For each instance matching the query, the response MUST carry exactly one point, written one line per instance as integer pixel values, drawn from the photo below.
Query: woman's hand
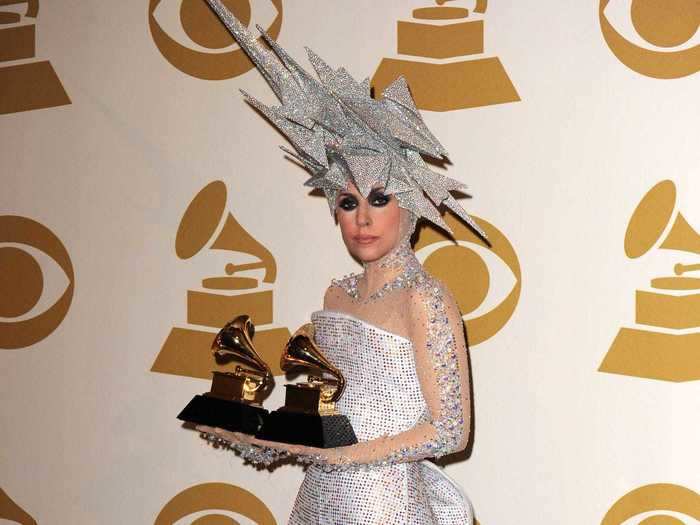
(233, 437)
(329, 455)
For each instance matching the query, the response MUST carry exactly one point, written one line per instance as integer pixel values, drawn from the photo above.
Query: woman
(393, 331)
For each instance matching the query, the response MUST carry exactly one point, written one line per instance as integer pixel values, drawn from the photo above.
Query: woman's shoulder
(340, 290)
(429, 292)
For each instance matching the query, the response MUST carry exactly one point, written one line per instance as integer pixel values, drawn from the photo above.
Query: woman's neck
(400, 260)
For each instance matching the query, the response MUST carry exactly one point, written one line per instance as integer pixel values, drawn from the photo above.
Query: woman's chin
(368, 254)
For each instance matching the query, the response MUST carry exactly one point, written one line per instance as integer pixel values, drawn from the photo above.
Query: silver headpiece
(341, 134)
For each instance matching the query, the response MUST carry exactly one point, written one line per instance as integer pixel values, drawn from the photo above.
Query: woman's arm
(436, 331)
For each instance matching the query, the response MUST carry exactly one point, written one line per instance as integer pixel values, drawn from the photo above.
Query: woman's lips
(365, 239)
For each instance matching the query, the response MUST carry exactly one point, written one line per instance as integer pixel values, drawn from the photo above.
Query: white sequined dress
(383, 397)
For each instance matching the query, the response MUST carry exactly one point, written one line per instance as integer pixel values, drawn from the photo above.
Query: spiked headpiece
(341, 134)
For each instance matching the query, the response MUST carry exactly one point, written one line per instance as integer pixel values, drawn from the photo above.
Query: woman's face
(370, 226)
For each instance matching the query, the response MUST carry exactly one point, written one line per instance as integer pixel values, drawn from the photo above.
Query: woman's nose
(363, 217)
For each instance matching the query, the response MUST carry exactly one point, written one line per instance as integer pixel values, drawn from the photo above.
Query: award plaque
(309, 416)
(235, 400)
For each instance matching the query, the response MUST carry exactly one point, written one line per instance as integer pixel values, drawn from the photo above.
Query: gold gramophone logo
(192, 38)
(656, 38)
(10, 511)
(25, 83)
(485, 282)
(442, 57)
(35, 272)
(656, 504)
(665, 344)
(245, 289)
(214, 504)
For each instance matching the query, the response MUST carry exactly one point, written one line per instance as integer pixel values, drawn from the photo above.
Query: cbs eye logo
(486, 282)
(193, 39)
(657, 504)
(215, 504)
(27, 286)
(656, 38)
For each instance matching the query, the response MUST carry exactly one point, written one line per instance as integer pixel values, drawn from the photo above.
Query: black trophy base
(311, 430)
(222, 413)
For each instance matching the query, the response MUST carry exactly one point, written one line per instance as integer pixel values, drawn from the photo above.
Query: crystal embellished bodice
(382, 394)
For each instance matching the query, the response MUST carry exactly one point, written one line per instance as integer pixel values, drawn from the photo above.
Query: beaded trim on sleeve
(254, 454)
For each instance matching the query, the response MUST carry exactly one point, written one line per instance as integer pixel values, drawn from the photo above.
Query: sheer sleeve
(436, 332)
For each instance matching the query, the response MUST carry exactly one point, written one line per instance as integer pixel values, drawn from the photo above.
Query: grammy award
(235, 400)
(665, 340)
(309, 416)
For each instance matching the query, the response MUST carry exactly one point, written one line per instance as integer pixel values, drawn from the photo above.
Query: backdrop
(136, 182)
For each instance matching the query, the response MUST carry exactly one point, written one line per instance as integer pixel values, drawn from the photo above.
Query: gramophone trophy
(664, 342)
(309, 416)
(235, 400)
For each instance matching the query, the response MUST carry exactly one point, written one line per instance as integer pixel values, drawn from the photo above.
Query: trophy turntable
(309, 416)
(235, 400)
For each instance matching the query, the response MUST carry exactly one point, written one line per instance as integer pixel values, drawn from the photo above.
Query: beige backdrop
(135, 179)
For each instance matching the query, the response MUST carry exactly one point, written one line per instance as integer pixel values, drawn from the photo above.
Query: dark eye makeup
(347, 203)
(376, 199)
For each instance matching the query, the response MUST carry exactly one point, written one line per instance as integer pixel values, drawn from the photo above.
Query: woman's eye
(347, 203)
(379, 199)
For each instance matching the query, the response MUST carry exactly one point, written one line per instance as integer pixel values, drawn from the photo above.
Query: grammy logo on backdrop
(665, 344)
(206, 223)
(25, 83)
(438, 44)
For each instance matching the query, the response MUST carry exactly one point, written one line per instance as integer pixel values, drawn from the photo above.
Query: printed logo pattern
(207, 224)
(657, 504)
(670, 26)
(9, 510)
(665, 343)
(22, 281)
(431, 42)
(207, 502)
(211, 61)
(28, 84)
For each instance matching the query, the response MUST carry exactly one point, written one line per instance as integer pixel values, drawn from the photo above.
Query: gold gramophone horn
(235, 340)
(301, 351)
(650, 219)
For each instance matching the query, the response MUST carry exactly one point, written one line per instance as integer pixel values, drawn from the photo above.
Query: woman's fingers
(238, 437)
